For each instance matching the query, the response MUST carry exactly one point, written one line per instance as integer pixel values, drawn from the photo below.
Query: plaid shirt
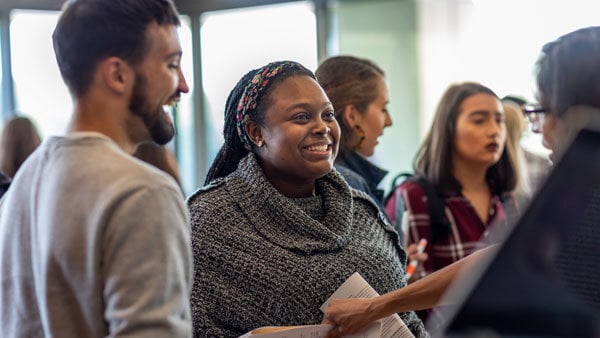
(466, 228)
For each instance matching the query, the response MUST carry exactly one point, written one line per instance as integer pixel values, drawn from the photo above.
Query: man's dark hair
(89, 31)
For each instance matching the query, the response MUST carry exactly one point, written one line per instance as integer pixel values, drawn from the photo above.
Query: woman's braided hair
(248, 100)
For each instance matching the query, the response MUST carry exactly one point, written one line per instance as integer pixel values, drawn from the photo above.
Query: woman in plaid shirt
(463, 162)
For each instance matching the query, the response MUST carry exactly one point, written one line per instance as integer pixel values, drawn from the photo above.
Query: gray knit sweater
(262, 259)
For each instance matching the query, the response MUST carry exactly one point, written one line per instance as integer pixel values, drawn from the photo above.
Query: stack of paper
(354, 287)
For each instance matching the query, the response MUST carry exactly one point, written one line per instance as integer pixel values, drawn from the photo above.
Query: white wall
(495, 42)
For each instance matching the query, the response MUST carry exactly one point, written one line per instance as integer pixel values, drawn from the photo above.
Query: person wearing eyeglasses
(535, 116)
(534, 165)
(566, 106)
(572, 102)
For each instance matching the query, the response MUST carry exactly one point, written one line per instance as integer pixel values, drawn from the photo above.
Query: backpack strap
(440, 225)
(436, 208)
(394, 205)
(396, 181)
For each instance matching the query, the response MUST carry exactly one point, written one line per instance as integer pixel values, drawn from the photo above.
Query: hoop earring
(361, 135)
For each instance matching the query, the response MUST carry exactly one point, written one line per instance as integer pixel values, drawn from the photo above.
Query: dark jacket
(362, 175)
(4, 183)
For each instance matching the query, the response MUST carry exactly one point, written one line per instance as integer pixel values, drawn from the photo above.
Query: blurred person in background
(536, 166)
(516, 125)
(159, 156)
(464, 162)
(19, 139)
(359, 94)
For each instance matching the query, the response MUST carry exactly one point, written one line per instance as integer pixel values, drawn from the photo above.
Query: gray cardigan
(262, 259)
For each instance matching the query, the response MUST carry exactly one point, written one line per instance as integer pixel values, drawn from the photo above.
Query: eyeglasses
(535, 115)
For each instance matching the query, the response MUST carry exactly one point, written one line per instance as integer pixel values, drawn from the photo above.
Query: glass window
(385, 32)
(1, 81)
(39, 90)
(184, 116)
(496, 43)
(236, 41)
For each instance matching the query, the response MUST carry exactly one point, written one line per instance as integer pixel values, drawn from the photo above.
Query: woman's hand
(413, 254)
(349, 316)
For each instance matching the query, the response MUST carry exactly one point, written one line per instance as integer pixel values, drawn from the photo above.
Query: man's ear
(117, 74)
(351, 116)
(254, 132)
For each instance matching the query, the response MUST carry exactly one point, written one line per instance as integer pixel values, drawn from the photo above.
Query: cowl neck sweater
(287, 224)
(263, 259)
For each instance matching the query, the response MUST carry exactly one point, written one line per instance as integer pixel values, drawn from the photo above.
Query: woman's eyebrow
(307, 106)
(479, 113)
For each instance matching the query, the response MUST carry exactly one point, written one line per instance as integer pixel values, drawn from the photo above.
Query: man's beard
(159, 127)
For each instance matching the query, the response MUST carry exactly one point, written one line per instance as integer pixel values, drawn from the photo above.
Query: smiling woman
(299, 144)
(276, 231)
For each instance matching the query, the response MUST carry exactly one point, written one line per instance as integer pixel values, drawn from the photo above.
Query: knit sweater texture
(262, 259)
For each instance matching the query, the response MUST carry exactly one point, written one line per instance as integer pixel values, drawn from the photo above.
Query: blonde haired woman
(515, 127)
